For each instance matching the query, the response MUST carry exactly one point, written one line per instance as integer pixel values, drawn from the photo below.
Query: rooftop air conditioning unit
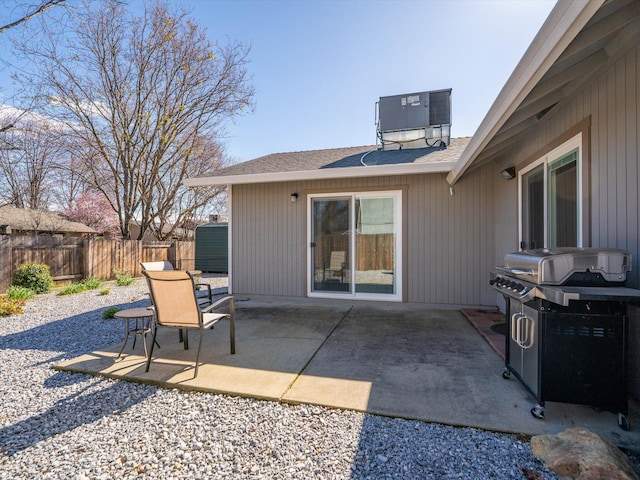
(415, 120)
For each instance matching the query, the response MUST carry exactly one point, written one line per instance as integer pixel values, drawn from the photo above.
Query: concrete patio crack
(301, 372)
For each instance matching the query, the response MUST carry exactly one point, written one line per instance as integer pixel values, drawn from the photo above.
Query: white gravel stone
(60, 425)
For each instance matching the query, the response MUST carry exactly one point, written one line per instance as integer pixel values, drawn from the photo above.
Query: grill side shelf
(562, 295)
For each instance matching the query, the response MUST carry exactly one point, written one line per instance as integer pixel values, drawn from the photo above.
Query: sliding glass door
(330, 244)
(354, 248)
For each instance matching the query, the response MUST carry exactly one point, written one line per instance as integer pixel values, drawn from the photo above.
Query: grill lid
(556, 266)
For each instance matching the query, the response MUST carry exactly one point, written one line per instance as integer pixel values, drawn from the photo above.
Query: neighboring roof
(365, 161)
(24, 219)
(576, 43)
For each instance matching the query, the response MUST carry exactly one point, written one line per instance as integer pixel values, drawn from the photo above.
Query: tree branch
(44, 6)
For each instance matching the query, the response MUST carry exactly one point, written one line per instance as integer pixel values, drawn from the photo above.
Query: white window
(550, 199)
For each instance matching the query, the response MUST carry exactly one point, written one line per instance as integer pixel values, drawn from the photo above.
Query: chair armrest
(218, 303)
(232, 318)
(207, 287)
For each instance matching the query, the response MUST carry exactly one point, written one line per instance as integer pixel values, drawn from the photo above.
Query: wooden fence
(374, 252)
(74, 258)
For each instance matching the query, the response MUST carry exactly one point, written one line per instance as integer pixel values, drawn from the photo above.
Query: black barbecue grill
(566, 321)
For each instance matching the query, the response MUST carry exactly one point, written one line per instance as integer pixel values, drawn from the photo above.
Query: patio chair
(203, 290)
(176, 306)
(336, 266)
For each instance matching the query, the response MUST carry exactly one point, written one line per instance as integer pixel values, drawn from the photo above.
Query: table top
(134, 313)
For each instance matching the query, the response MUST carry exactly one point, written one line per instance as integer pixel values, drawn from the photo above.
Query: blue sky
(319, 66)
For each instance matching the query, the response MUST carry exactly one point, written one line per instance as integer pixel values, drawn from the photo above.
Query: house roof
(577, 42)
(364, 161)
(24, 219)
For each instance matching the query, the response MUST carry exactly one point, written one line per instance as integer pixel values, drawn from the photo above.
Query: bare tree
(31, 12)
(175, 206)
(27, 159)
(141, 98)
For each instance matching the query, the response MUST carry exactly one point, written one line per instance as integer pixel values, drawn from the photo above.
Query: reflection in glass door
(330, 244)
(375, 245)
(550, 199)
(533, 209)
(353, 248)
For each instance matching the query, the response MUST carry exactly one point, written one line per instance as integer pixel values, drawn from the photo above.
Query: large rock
(580, 454)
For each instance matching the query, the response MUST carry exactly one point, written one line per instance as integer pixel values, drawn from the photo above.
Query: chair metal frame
(190, 315)
(203, 290)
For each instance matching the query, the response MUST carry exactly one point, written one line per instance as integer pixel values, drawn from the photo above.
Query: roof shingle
(344, 157)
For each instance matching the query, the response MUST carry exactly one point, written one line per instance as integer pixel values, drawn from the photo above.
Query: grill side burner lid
(564, 266)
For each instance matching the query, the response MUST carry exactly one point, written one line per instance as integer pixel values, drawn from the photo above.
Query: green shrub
(105, 291)
(24, 293)
(91, 283)
(110, 312)
(35, 276)
(11, 306)
(73, 288)
(123, 279)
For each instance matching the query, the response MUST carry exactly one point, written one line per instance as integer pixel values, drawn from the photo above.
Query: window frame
(575, 143)
(398, 196)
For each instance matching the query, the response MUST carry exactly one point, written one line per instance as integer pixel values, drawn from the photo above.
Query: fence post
(6, 262)
(87, 245)
(172, 255)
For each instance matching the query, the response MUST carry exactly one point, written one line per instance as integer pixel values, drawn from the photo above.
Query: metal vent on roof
(414, 120)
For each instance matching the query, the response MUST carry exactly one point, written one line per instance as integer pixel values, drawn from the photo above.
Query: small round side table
(138, 321)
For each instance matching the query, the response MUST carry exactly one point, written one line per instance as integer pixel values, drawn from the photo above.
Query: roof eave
(327, 173)
(565, 21)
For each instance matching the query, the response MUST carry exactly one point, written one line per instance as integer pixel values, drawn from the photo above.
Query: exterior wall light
(294, 197)
(508, 173)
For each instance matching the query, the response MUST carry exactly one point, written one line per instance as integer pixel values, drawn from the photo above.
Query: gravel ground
(73, 426)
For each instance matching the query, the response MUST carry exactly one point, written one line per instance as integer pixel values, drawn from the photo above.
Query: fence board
(74, 258)
(6, 269)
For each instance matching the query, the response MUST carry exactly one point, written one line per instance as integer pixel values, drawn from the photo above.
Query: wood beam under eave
(607, 8)
(534, 108)
(549, 84)
(495, 153)
(496, 150)
(600, 32)
(505, 133)
(628, 36)
(618, 47)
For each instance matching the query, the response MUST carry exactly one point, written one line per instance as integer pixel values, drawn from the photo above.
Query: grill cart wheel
(506, 374)
(538, 411)
(623, 422)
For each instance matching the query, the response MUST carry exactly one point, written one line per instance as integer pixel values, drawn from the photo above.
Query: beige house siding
(611, 105)
(448, 247)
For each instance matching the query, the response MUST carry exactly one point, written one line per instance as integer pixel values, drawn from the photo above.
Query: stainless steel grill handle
(522, 330)
(517, 271)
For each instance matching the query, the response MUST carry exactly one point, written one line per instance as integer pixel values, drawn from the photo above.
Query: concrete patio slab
(391, 359)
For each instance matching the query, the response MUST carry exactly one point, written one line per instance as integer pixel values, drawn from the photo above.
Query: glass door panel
(533, 209)
(563, 201)
(375, 245)
(331, 244)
